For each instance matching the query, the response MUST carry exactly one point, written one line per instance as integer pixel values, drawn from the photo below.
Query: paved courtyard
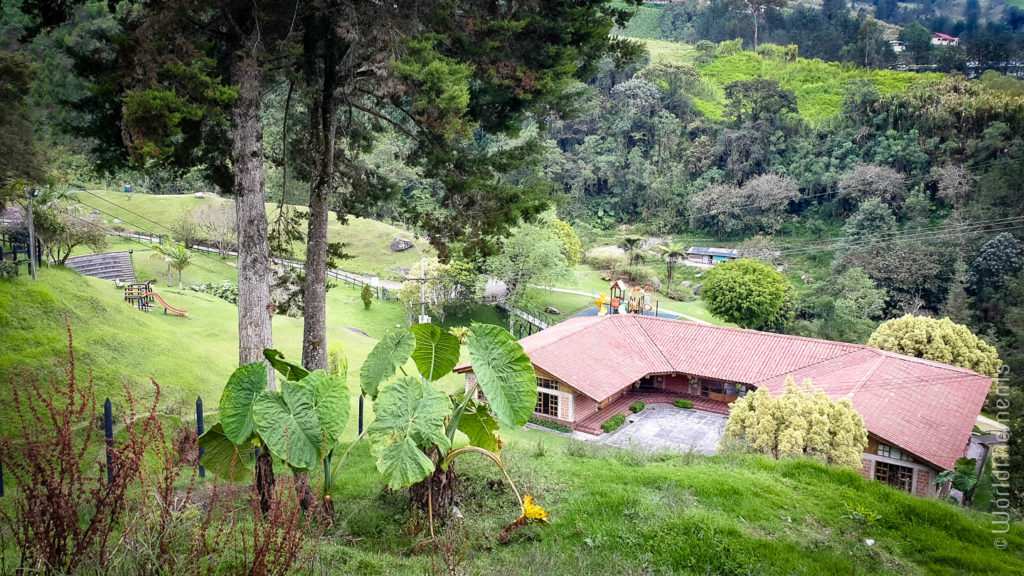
(665, 427)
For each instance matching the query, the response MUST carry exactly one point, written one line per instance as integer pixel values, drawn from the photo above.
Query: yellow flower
(533, 511)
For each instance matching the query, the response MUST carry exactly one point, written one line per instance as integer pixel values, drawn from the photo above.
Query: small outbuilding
(710, 256)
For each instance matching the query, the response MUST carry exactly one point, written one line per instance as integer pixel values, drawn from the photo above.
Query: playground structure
(625, 299)
(142, 297)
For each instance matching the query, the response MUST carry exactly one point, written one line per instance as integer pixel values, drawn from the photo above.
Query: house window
(547, 404)
(547, 383)
(895, 453)
(894, 475)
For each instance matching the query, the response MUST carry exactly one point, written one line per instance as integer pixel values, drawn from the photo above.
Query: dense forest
(879, 184)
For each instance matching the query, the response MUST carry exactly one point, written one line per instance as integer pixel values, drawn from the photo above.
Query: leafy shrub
(460, 332)
(605, 258)
(639, 274)
(679, 295)
(367, 296)
(225, 290)
(636, 406)
(8, 269)
(614, 422)
(682, 403)
(730, 47)
(550, 424)
(861, 514)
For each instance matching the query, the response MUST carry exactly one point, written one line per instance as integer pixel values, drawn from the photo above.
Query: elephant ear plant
(299, 425)
(413, 434)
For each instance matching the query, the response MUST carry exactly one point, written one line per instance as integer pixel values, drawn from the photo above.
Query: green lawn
(667, 52)
(819, 86)
(366, 240)
(612, 511)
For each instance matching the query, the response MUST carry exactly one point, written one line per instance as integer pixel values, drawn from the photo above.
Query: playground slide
(167, 307)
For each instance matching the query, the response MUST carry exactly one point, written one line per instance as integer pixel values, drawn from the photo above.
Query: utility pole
(31, 194)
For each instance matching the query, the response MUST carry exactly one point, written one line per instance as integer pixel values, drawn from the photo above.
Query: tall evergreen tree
(442, 76)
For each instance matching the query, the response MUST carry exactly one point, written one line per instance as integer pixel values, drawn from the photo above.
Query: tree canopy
(800, 422)
(940, 340)
(745, 292)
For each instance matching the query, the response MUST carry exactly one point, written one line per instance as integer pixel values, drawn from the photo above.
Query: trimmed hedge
(614, 422)
(636, 406)
(550, 425)
(682, 403)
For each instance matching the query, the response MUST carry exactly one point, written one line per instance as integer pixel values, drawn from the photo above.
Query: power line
(150, 232)
(896, 233)
(948, 232)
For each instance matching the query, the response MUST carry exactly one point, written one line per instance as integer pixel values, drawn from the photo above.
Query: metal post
(108, 433)
(31, 232)
(199, 432)
(360, 414)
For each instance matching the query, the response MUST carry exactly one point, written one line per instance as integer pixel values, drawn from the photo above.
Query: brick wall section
(867, 468)
(924, 483)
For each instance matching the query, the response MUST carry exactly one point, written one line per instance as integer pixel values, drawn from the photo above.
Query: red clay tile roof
(926, 408)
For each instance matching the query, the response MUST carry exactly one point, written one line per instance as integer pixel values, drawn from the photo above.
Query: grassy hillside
(187, 356)
(612, 511)
(366, 240)
(819, 86)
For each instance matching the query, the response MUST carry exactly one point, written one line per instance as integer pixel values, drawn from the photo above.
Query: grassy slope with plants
(612, 511)
(819, 86)
(187, 356)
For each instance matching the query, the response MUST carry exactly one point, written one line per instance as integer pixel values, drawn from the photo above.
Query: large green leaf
(479, 426)
(290, 371)
(238, 398)
(504, 372)
(391, 352)
(410, 419)
(331, 402)
(436, 352)
(288, 424)
(224, 458)
(402, 463)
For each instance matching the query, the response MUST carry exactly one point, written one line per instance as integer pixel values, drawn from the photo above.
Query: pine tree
(958, 304)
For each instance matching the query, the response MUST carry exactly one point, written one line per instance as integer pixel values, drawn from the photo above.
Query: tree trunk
(255, 311)
(323, 126)
(314, 327)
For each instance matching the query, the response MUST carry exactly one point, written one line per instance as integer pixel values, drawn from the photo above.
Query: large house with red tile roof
(919, 414)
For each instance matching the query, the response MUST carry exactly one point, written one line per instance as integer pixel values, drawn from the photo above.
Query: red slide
(167, 307)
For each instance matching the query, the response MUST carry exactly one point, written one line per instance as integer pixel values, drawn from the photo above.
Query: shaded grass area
(365, 240)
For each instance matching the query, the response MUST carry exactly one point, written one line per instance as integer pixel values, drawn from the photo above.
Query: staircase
(108, 266)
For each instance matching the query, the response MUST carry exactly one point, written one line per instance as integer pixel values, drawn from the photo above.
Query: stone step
(108, 266)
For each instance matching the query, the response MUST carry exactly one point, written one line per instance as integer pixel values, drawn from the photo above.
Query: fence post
(199, 432)
(1, 471)
(360, 414)
(108, 434)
